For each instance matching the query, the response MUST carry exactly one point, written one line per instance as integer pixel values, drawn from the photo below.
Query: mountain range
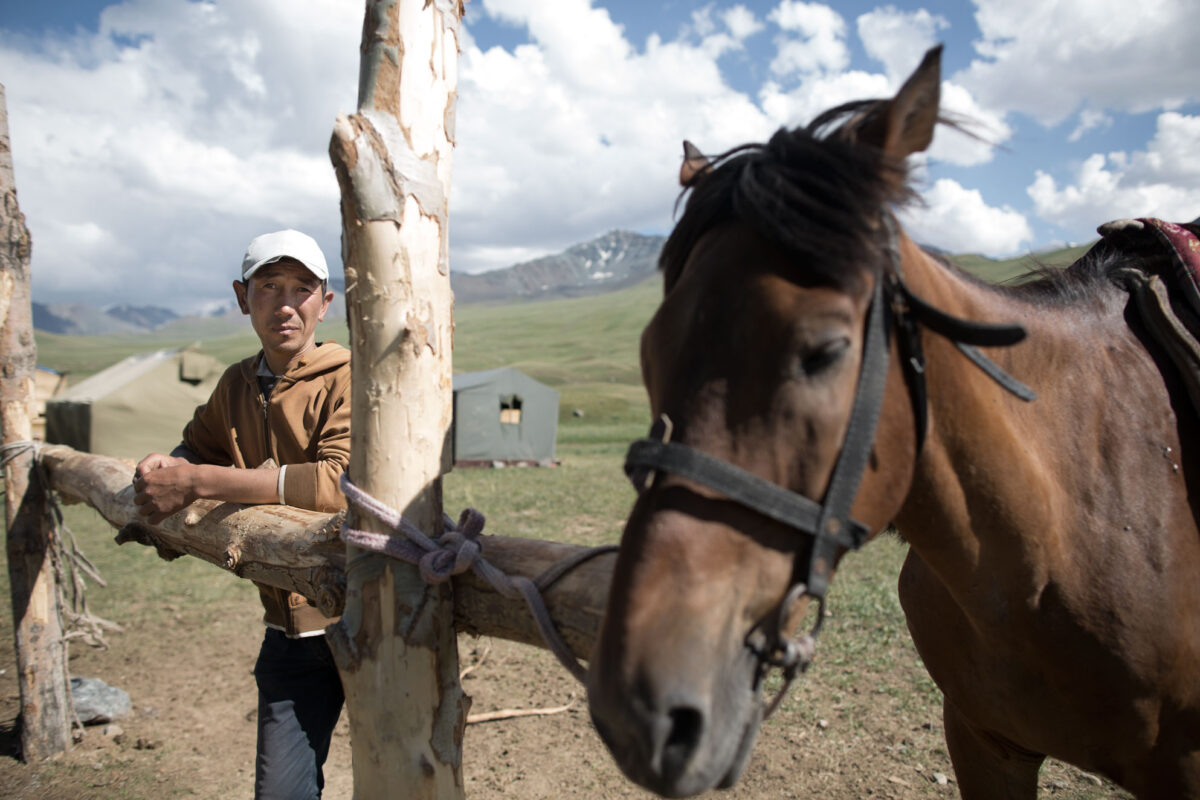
(612, 261)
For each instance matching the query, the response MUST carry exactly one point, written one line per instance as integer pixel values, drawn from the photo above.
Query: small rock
(940, 778)
(822, 724)
(578, 413)
(112, 730)
(97, 703)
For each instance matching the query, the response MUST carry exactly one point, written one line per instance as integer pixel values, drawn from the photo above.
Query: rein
(829, 524)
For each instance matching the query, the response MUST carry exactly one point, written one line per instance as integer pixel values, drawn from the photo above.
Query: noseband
(829, 523)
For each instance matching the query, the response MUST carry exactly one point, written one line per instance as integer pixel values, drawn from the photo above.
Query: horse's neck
(1061, 326)
(995, 467)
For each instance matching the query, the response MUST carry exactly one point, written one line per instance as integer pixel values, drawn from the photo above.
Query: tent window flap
(510, 410)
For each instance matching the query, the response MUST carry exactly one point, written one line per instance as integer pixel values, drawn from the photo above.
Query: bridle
(829, 524)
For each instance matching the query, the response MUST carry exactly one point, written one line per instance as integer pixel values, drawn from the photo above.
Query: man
(288, 405)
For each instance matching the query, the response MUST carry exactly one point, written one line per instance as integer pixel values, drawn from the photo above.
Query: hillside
(587, 347)
(614, 261)
(1008, 269)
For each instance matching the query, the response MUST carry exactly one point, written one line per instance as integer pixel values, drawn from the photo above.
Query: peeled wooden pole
(298, 550)
(395, 645)
(46, 710)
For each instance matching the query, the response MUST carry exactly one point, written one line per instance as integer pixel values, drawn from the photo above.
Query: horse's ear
(694, 166)
(913, 112)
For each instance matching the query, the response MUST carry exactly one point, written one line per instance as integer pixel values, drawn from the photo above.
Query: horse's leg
(988, 768)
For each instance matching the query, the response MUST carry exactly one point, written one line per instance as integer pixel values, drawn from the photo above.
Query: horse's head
(755, 362)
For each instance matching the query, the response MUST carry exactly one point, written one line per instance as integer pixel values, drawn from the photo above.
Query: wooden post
(46, 709)
(395, 645)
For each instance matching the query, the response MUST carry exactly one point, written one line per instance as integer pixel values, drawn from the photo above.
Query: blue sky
(153, 138)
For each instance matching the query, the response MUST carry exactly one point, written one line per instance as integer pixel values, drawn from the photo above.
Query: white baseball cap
(271, 247)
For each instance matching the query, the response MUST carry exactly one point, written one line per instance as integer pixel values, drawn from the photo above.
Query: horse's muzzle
(677, 743)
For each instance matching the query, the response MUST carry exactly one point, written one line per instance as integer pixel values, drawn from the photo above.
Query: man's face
(285, 303)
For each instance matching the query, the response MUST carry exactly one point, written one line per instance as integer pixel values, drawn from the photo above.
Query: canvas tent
(503, 415)
(136, 406)
(46, 383)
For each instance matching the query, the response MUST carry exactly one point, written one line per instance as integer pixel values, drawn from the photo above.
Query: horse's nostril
(686, 727)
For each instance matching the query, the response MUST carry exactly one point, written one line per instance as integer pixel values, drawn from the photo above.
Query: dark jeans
(299, 700)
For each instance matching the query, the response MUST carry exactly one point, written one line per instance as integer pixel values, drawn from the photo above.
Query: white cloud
(1047, 58)
(721, 30)
(983, 129)
(580, 44)
(149, 153)
(1090, 120)
(957, 219)
(555, 156)
(898, 39)
(182, 129)
(702, 21)
(812, 40)
(741, 22)
(800, 105)
(1161, 181)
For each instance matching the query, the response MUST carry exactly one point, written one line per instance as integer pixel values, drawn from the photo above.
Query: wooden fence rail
(299, 550)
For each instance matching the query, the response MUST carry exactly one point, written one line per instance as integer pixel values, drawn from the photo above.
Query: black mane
(816, 192)
(1079, 282)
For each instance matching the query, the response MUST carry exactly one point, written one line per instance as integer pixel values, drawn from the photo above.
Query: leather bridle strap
(829, 524)
(735, 483)
(911, 312)
(856, 449)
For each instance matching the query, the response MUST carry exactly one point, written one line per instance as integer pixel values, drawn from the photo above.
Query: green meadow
(576, 345)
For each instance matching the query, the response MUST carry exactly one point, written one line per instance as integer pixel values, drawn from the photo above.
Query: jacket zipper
(283, 597)
(262, 398)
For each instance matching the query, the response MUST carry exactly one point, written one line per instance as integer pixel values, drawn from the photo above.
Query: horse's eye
(823, 356)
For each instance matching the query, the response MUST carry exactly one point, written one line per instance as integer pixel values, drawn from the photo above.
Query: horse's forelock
(818, 197)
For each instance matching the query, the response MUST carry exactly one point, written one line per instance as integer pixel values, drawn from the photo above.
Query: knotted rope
(456, 551)
(71, 566)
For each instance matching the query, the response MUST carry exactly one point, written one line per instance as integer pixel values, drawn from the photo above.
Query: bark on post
(46, 709)
(395, 645)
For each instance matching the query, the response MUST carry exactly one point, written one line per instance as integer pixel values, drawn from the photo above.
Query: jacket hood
(325, 357)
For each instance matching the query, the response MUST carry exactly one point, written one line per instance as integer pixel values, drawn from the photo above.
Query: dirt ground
(192, 730)
(864, 722)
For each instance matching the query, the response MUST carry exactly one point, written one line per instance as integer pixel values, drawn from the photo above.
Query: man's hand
(163, 485)
(156, 461)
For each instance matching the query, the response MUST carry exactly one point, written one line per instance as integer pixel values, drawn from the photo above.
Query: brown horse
(806, 350)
